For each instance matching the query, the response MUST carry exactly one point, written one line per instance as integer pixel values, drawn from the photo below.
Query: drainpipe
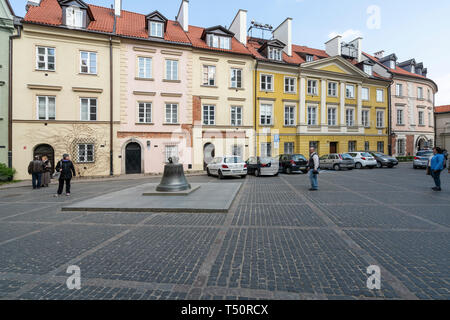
(111, 112)
(390, 120)
(256, 108)
(10, 95)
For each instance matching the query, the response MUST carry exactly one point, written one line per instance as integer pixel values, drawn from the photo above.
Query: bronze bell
(173, 179)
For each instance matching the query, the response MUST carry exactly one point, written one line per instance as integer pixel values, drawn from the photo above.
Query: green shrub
(405, 159)
(6, 174)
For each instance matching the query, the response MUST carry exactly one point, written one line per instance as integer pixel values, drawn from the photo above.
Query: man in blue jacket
(436, 167)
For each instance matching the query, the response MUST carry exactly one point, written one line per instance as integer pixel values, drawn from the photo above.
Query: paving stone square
(277, 241)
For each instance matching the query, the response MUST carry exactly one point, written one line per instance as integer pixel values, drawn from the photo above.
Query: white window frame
(88, 65)
(289, 121)
(332, 116)
(275, 53)
(378, 95)
(380, 143)
(400, 116)
(85, 158)
(46, 56)
(209, 75)
(170, 151)
(421, 117)
(173, 117)
(365, 118)
(209, 121)
(347, 91)
(74, 17)
(363, 97)
(267, 147)
(89, 110)
(47, 107)
(171, 73)
(144, 67)
(236, 116)
(236, 73)
(353, 145)
(331, 90)
(368, 69)
(309, 58)
(350, 121)
(266, 113)
(145, 112)
(380, 119)
(266, 82)
(401, 146)
(312, 90)
(399, 90)
(311, 116)
(289, 147)
(419, 93)
(156, 29)
(219, 42)
(237, 150)
(290, 84)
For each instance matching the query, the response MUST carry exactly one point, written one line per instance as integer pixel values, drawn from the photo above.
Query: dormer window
(392, 64)
(220, 42)
(218, 37)
(156, 24)
(156, 29)
(275, 54)
(309, 58)
(413, 69)
(74, 17)
(368, 69)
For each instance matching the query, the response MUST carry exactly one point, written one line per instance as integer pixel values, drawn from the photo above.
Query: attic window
(156, 29)
(309, 58)
(220, 42)
(392, 64)
(368, 69)
(413, 69)
(74, 17)
(275, 54)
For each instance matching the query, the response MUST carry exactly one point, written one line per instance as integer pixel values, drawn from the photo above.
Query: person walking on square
(436, 167)
(46, 175)
(67, 171)
(314, 164)
(36, 168)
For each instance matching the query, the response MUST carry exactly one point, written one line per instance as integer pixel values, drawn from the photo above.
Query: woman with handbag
(436, 167)
(46, 175)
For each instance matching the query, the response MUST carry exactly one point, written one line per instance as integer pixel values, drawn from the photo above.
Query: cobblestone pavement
(279, 241)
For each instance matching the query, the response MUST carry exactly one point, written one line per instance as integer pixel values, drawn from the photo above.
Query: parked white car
(363, 160)
(227, 166)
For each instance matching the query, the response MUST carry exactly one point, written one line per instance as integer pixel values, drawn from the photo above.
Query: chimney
(239, 26)
(358, 45)
(183, 15)
(333, 46)
(379, 54)
(284, 33)
(32, 3)
(117, 7)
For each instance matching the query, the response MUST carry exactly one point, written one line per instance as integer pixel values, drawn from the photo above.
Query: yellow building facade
(343, 109)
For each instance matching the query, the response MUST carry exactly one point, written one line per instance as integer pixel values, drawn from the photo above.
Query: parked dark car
(262, 166)
(290, 163)
(384, 160)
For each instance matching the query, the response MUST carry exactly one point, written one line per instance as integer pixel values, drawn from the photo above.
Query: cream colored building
(222, 90)
(63, 92)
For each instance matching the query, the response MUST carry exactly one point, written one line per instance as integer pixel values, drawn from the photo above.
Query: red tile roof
(48, 12)
(195, 35)
(254, 44)
(442, 109)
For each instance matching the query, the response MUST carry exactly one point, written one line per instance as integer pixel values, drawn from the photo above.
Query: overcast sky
(409, 28)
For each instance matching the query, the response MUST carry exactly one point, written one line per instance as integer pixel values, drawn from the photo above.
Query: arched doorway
(209, 153)
(422, 144)
(45, 150)
(133, 158)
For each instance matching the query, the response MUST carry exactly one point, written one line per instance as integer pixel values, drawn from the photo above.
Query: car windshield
(266, 160)
(233, 160)
(298, 157)
(346, 156)
(376, 154)
(424, 153)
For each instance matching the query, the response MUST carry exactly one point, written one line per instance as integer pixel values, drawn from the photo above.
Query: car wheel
(288, 170)
(207, 172)
(379, 165)
(414, 167)
(337, 167)
(257, 173)
(221, 175)
(358, 165)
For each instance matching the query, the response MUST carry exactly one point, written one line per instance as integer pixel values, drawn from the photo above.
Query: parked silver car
(337, 161)
(422, 158)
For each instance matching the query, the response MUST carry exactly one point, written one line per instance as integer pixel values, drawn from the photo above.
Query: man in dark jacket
(67, 171)
(36, 168)
(313, 164)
